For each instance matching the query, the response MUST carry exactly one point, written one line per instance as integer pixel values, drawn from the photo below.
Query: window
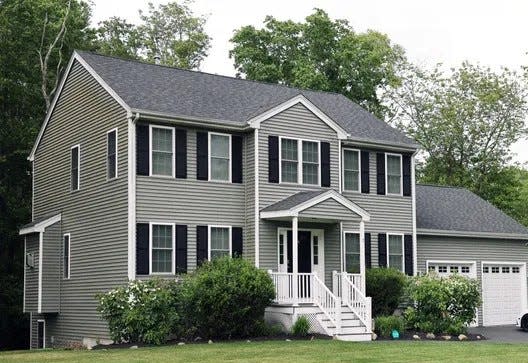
(453, 269)
(516, 270)
(162, 151)
(505, 270)
(432, 268)
(66, 256)
(486, 269)
(219, 157)
(395, 251)
(281, 249)
(161, 248)
(315, 250)
(219, 241)
(394, 174)
(351, 177)
(465, 269)
(299, 161)
(75, 167)
(111, 154)
(442, 269)
(352, 253)
(495, 269)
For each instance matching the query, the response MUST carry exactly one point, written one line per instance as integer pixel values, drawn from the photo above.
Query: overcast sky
(492, 33)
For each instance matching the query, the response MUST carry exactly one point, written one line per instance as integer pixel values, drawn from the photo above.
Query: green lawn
(290, 352)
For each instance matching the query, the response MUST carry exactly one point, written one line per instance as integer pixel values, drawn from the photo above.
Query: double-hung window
(351, 176)
(219, 241)
(352, 253)
(300, 161)
(162, 248)
(111, 154)
(161, 151)
(66, 256)
(75, 171)
(394, 173)
(395, 251)
(219, 157)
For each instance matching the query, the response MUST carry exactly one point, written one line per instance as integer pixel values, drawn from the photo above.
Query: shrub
(301, 326)
(386, 287)
(442, 305)
(384, 325)
(225, 298)
(141, 311)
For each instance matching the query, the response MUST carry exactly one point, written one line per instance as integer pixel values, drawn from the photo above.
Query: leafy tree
(321, 54)
(119, 38)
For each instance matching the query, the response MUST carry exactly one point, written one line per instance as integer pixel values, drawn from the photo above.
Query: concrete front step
(365, 337)
(348, 330)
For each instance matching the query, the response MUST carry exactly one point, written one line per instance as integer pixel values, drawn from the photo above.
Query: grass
(291, 352)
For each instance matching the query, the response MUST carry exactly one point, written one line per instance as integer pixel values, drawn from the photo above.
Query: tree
(321, 54)
(466, 121)
(119, 38)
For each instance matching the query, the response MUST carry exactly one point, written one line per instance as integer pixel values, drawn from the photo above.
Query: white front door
(316, 252)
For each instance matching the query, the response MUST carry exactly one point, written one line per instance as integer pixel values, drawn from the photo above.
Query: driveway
(503, 333)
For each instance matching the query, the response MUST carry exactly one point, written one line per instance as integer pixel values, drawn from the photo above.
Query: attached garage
(458, 232)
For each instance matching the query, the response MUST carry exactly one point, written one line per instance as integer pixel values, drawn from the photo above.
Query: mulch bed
(439, 337)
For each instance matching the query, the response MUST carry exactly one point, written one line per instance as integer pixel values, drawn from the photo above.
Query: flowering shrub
(442, 304)
(141, 311)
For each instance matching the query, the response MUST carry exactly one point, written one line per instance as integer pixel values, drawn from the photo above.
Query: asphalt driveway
(503, 333)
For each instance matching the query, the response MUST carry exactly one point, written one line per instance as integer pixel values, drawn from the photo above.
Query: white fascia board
(75, 57)
(470, 234)
(41, 226)
(257, 120)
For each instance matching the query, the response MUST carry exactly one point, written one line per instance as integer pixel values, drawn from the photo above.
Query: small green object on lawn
(395, 334)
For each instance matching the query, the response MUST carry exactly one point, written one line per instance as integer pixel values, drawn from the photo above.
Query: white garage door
(503, 293)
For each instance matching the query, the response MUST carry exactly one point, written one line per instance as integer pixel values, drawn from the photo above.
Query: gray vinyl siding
(332, 252)
(330, 209)
(190, 201)
(51, 268)
(31, 274)
(96, 215)
(469, 249)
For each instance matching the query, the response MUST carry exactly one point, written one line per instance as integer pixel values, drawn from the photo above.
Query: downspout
(257, 204)
(131, 125)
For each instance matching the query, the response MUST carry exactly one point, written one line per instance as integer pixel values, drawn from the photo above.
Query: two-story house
(143, 170)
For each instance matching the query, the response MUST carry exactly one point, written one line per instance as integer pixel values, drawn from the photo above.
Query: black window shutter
(325, 164)
(142, 149)
(365, 172)
(409, 261)
(273, 159)
(201, 244)
(181, 153)
(142, 249)
(181, 248)
(380, 174)
(406, 161)
(382, 250)
(368, 251)
(236, 162)
(236, 236)
(201, 156)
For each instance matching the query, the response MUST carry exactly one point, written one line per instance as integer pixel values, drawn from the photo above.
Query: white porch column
(362, 263)
(295, 250)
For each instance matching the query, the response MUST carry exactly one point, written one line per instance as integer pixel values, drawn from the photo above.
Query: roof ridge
(442, 186)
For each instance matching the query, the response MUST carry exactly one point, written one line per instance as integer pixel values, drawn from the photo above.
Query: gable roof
(40, 224)
(459, 212)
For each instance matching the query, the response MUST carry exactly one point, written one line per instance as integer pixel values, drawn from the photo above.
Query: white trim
(387, 175)
(448, 233)
(229, 172)
(116, 154)
(413, 210)
(43, 332)
(41, 226)
(173, 262)
(313, 232)
(32, 189)
(25, 268)
(343, 169)
(69, 256)
(98, 78)
(131, 185)
(257, 199)
(78, 147)
(340, 166)
(230, 233)
(473, 264)
(300, 161)
(257, 120)
(403, 249)
(41, 251)
(173, 162)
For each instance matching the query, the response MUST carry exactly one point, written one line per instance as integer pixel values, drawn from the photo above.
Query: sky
(492, 33)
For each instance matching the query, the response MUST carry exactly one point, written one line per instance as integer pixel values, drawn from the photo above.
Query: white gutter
(131, 125)
(257, 201)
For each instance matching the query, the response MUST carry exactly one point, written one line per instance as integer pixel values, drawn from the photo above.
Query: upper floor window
(299, 161)
(395, 251)
(66, 256)
(394, 173)
(352, 253)
(162, 248)
(162, 151)
(219, 157)
(111, 154)
(351, 175)
(219, 241)
(75, 162)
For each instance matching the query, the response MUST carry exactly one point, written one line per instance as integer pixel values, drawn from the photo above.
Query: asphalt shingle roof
(293, 201)
(174, 91)
(458, 209)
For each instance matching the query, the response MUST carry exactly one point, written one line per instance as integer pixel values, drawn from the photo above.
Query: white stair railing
(329, 304)
(356, 300)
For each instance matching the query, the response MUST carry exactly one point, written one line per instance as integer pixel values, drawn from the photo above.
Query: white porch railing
(356, 279)
(348, 288)
(306, 288)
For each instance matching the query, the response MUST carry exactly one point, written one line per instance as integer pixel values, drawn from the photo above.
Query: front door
(310, 251)
(303, 252)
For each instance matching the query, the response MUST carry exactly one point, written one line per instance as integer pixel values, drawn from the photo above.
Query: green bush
(301, 326)
(442, 305)
(386, 287)
(384, 325)
(141, 311)
(225, 298)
